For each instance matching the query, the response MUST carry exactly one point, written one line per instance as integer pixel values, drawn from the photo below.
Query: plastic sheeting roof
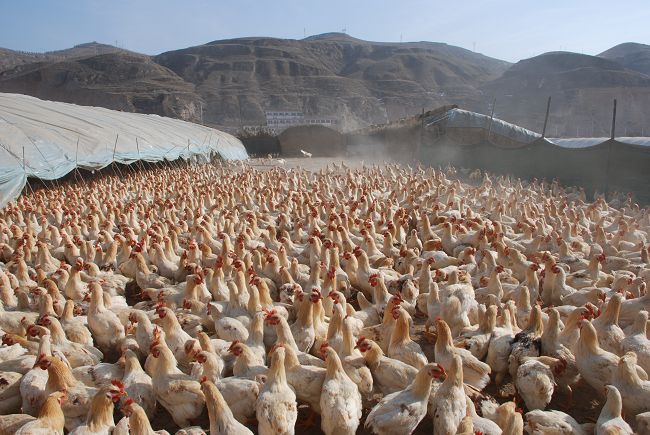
(465, 119)
(57, 137)
(458, 118)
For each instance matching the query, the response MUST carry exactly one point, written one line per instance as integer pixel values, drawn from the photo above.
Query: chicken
(100, 414)
(634, 391)
(509, 419)
(50, 419)
(241, 396)
(10, 399)
(221, 418)
(643, 423)
(79, 396)
(227, 328)
(285, 336)
(136, 419)
(138, 384)
(276, 407)
(610, 420)
(477, 341)
(401, 346)
(76, 354)
(175, 391)
(104, 324)
(307, 381)
(247, 364)
(95, 376)
(74, 327)
(449, 406)
(556, 422)
(402, 411)
(596, 366)
(535, 380)
(475, 372)
(481, 424)
(144, 277)
(353, 362)
(637, 341)
(552, 347)
(175, 336)
(389, 375)
(527, 343)
(340, 400)
(610, 335)
(303, 329)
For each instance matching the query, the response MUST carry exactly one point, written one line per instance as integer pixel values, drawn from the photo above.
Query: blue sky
(506, 29)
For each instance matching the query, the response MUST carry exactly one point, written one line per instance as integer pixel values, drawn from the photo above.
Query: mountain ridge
(231, 83)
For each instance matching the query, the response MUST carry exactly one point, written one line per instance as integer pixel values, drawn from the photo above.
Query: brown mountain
(11, 58)
(631, 55)
(582, 89)
(117, 79)
(231, 83)
(331, 75)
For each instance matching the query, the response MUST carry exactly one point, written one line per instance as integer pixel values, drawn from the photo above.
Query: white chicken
(276, 407)
(402, 411)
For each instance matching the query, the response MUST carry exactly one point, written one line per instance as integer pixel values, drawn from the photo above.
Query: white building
(280, 120)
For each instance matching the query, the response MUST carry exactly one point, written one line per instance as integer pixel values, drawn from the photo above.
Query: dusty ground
(586, 401)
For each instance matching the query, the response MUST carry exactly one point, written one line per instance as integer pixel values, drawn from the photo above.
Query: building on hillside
(280, 120)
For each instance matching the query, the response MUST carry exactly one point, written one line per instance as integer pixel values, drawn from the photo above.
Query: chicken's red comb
(118, 384)
(129, 402)
(204, 379)
(360, 340)
(233, 344)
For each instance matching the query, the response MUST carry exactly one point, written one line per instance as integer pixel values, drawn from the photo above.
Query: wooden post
(548, 109)
(613, 122)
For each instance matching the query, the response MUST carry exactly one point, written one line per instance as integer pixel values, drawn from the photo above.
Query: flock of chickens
(269, 297)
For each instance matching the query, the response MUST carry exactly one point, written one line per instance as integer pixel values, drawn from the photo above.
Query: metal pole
(137, 146)
(76, 165)
(113, 162)
(494, 103)
(115, 146)
(609, 148)
(548, 109)
(613, 121)
(25, 171)
(76, 155)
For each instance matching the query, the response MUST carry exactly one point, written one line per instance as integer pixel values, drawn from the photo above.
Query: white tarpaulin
(56, 137)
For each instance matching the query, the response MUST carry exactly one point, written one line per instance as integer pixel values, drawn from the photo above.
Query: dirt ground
(586, 401)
